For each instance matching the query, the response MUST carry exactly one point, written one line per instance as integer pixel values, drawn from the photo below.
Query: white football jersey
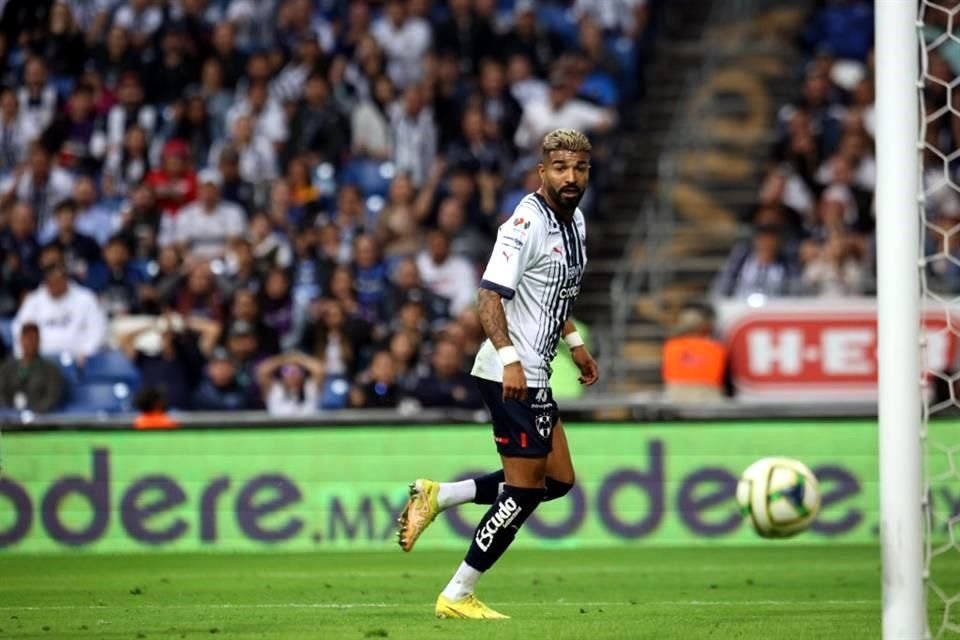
(536, 265)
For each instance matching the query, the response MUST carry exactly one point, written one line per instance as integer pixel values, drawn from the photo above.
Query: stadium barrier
(341, 488)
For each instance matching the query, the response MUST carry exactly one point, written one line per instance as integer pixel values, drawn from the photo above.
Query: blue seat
(98, 397)
(371, 176)
(68, 368)
(334, 394)
(559, 21)
(110, 366)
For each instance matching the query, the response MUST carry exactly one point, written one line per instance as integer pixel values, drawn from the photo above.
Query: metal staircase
(697, 150)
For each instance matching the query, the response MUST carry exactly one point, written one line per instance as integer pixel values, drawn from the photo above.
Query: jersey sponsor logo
(544, 425)
(558, 250)
(513, 242)
(506, 513)
(569, 292)
(521, 221)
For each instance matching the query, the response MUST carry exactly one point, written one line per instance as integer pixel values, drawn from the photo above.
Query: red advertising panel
(816, 348)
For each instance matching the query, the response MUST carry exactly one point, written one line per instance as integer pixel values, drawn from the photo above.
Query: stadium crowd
(813, 225)
(280, 204)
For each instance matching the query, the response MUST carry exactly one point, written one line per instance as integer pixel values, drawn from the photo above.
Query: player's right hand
(514, 382)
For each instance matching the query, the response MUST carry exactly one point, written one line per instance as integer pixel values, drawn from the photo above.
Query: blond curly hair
(565, 140)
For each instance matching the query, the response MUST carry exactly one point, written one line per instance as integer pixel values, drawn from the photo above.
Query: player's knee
(558, 488)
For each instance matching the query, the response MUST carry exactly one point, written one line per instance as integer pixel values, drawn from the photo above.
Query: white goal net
(939, 145)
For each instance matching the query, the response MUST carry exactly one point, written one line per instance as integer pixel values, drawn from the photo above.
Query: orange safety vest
(694, 360)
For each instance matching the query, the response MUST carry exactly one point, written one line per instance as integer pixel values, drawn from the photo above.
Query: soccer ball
(779, 496)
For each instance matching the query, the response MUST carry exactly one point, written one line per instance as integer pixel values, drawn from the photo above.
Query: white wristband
(508, 355)
(573, 340)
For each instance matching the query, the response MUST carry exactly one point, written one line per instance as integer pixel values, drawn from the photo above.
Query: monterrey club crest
(544, 425)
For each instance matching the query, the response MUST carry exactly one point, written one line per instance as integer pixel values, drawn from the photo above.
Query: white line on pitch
(420, 572)
(388, 605)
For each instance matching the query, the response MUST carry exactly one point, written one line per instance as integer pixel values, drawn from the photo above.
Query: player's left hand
(589, 372)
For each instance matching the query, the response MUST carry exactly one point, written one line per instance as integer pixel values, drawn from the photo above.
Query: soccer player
(525, 298)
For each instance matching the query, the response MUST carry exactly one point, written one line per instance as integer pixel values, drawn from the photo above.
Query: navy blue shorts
(521, 429)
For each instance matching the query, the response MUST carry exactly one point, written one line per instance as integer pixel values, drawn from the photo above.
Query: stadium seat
(335, 392)
(110, 366)
(68, 368)
(559, 21)
(98, 397)
(371, 176)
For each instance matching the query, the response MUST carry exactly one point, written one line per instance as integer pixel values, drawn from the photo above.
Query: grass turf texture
(768, 591)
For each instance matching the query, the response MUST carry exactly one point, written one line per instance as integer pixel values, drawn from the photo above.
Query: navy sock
(488, 488)
(500, 524)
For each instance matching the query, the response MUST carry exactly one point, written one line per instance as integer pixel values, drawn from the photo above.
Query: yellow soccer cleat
(422, 508)
(469, 608)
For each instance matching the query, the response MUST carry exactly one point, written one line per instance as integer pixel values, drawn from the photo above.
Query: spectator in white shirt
(38, 99)
(254, 21)
(69, 316)
(41, 184)
(405, 39)
(414, 134)
(204, 227)
(141, 19)
(450, 276)
(269, 119)
(13, 139)
(525, 87)
(258, 158)
(296, 391)
(625, 17)
(130, 111)
(560, 111)
(369, 124)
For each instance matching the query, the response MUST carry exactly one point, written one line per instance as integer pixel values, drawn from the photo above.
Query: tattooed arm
(494, 322)
(492, 317)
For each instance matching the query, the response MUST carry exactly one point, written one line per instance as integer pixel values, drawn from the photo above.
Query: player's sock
(462, 583)
(488, 487)
(450, 494)
(500, 524)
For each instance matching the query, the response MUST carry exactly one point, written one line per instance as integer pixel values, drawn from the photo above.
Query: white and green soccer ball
(778, 496)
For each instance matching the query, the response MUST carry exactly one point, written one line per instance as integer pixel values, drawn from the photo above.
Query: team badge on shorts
(544, 424)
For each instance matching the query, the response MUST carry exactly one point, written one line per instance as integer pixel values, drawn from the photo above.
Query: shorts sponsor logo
(500, 440)
(544, 424)
(506, 513)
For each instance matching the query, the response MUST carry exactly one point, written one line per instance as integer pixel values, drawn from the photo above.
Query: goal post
(898, 304)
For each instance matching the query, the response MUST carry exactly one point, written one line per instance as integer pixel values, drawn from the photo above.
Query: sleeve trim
(505, 292)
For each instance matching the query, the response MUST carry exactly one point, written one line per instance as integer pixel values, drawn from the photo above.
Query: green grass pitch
(771, 591)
